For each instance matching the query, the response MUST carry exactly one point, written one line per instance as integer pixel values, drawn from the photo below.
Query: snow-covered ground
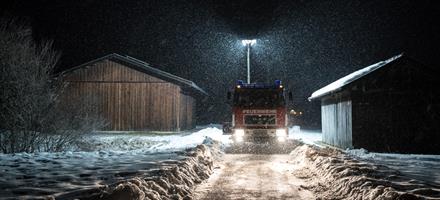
(419, 167)
(109, 158)
(105, 159)
(332, 174)
(136, 143)
(312, 137)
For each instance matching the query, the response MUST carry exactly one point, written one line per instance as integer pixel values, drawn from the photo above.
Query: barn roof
(340, 83)
(143, 67)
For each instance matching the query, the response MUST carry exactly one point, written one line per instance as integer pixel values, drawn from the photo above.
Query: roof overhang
(145, 68)
(339, 84)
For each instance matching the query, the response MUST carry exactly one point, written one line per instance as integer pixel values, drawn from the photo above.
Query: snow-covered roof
(143, 67)
(337, 85)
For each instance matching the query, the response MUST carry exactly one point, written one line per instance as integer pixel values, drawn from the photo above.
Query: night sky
(306, 44)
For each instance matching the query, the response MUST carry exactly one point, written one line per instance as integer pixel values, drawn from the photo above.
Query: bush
(31, 119)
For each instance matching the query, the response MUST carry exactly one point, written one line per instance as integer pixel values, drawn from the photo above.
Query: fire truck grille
(260, 133)
(260, 136)
(259, 119)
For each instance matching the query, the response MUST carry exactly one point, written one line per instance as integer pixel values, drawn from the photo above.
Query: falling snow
(306, 44)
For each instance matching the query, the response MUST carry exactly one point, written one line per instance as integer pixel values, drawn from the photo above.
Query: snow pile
(174, 182)
(335, 175)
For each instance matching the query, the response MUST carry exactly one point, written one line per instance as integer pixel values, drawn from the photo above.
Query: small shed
(133, 95)
(390, 106)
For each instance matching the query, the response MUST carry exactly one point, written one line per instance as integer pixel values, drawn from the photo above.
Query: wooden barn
(390, 106)
(133, 95)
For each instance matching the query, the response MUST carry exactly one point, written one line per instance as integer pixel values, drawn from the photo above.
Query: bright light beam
(248, 42)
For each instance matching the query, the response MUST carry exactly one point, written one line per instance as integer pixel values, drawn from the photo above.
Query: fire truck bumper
(260, 135)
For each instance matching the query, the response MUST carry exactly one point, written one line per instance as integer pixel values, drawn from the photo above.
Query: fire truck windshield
(265, 98)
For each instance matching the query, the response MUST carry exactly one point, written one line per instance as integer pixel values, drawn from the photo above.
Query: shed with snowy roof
(132, 94)
(390, 106)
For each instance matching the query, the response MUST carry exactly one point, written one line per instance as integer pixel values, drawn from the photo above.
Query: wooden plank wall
(337, 122)
(187, 112)
(129, 99)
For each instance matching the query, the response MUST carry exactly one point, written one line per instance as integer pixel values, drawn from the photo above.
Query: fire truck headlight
(238, 139)
(238, 135)
(239, 132)
(281, 139)
(281, 132)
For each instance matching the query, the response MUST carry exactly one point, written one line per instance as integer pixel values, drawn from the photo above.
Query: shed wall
(337, 121)
(394, 110)
(187, 107)
(129, 99)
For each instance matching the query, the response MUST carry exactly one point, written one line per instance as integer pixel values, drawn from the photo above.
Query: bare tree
(30, 118)
(70, 120)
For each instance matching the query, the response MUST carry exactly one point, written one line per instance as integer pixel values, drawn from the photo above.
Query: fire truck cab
(259, 112)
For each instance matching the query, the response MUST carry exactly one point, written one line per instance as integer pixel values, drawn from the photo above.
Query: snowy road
(254, 176)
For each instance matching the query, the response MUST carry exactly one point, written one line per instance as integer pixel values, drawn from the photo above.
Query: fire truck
(259, 112)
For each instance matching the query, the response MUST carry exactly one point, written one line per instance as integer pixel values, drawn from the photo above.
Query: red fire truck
(258, 112)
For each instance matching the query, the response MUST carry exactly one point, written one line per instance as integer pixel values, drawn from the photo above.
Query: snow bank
(173, 182)
(335, 175)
